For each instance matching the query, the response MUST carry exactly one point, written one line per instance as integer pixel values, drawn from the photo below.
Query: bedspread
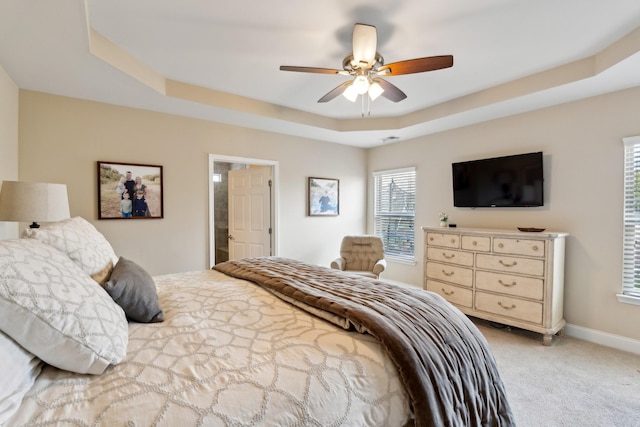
(229, 353)
(444, 361)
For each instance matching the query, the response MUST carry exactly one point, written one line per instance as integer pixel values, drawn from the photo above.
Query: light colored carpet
(570, 383)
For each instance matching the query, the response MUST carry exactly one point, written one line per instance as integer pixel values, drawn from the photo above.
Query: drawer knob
(508, 264)
(505, 307)
(506, 284)
(444, 254)
(535, 248)
(447, 293)
(431, 239)
(474, 243)
(449, 274)
(500, 245)
(453, 240)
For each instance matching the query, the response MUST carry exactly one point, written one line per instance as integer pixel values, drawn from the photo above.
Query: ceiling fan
(366, 66)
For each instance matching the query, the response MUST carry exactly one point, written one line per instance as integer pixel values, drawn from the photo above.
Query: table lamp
(33, 201)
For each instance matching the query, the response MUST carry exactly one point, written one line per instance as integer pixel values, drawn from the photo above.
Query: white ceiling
(510, 56)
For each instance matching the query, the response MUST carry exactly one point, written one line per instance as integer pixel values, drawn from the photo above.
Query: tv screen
(510, 181)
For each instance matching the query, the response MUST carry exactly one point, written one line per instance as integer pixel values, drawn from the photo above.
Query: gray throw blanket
(443, 359)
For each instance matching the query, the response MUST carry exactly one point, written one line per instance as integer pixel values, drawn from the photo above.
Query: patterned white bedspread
(228, 354)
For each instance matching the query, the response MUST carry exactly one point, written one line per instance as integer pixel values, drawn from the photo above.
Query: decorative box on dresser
(509, 277)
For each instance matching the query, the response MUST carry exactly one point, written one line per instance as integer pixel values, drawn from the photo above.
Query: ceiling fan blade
(310, 69)
(418, 65)
(391, 92)
(365, 43)
(335, 92)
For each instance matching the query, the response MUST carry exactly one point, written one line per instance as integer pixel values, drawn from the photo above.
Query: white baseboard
(603, 338)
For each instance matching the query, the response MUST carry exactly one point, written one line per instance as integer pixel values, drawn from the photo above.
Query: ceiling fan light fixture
(350, 93)
(361, 84)
(375, 90)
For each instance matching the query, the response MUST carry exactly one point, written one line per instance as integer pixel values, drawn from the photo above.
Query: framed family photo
(324, 197)
(129, 191)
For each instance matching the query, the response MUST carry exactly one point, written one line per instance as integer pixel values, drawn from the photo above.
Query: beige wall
(8, 142)
(583, 154)
(62, 138)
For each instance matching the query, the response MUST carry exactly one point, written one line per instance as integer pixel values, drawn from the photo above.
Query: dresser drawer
(450, 273)
(476, 243)
(443, 239)
(533, 267)
(528, 311)
(526, 287)
(526, 247)
(451, 256)
(453, 294)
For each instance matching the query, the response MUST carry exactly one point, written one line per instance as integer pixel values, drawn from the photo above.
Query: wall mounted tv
(509, 181)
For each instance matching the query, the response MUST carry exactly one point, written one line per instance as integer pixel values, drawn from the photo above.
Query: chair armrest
(379, 267)
(338, 263)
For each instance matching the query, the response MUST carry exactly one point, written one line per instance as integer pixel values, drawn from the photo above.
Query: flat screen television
(509, 181)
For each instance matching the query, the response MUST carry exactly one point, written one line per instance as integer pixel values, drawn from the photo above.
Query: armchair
(361, 255)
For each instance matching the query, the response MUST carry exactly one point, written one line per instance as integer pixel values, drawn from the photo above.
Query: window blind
(631, 235)
(394, 212)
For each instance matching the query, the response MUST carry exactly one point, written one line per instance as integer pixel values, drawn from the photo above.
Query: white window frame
(403, 214)
(631, 223)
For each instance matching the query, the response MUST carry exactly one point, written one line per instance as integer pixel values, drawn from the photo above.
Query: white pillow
(56, 311)
(82, 242)
(19, 371)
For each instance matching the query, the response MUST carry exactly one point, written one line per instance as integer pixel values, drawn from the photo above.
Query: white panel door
(249, 212)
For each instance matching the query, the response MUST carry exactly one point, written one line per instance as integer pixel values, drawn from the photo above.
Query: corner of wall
(9, 96)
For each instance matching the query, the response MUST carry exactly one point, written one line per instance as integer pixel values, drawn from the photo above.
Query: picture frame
(117, 181)
(323, 197)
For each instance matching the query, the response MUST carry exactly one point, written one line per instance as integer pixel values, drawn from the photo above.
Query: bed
(89, 338)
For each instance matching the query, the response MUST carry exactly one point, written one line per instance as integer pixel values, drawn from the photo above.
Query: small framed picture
(129, 191)
(324, 197)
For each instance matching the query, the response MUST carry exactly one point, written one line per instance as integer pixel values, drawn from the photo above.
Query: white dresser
(510, 277)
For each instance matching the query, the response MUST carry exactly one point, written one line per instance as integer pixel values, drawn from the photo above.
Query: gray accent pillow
(133, 289)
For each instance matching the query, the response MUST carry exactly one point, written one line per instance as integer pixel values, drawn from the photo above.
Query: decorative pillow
(19, 371)
(56, 311)
(133, 289)
(82, 242)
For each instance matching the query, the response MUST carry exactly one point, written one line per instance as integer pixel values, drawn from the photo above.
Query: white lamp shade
(361, 84)
(375, 90)
(33, 201)
(350, 93)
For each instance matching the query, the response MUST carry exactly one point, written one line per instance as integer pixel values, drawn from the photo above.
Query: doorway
(247, 175)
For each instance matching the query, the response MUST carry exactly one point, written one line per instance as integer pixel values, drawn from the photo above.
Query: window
(394, 212)
(631, 237)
